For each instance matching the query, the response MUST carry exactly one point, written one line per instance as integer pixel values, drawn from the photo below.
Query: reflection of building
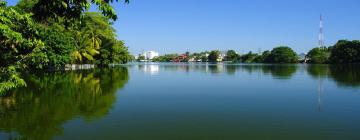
(149, 55)
(152, 69)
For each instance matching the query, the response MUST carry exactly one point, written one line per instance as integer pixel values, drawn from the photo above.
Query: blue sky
(176, 26)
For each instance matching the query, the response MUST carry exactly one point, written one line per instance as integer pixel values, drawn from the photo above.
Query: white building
(149, 55)
(222, 56)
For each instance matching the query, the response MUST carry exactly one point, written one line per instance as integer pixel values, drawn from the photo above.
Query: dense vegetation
(281, 54)
(43, 35)
(343, 52)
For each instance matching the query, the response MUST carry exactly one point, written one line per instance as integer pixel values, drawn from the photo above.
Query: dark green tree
(263, 57)
(231, 55)
(319, 55)
(249, 57)
(112, 51)
(345, 52)
(213, 56)
(70, 10)
(59, 45)
(282, 54)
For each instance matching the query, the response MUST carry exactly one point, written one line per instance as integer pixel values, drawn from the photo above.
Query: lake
(164, 101)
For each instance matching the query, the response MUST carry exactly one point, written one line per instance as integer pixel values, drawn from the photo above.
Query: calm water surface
(187, 102)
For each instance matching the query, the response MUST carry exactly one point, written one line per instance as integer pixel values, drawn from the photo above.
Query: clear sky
(176, 26)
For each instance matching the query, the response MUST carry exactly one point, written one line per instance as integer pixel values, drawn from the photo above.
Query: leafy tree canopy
(214, 55)
(345, 51)
(71, 9)
(282, 54)
(319, 55)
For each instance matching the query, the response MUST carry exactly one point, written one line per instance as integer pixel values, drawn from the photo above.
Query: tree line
(343, 52)
(48, 34)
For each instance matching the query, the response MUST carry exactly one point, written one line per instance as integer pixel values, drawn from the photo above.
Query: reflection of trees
(318, 71)
(346, 75)
(280, 71)
(231, 69)
(343, 75)
(51, 99)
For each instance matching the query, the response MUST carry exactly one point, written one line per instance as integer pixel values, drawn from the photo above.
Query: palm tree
(87, 46)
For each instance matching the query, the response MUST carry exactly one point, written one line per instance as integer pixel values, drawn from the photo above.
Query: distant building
(149, 55)
(222, 56)
(303, 58)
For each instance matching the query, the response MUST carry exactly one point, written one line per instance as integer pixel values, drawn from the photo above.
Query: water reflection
(39, 111)
(150, 68)
(346, 75)
(225, 97)
(343, 75)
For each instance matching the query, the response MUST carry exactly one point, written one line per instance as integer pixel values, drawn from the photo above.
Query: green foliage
(165, 58)
(248, 58)
(282, 54)
(96, 42)
(345, 52)
(141, 57)
(2, 3)
(26, 5)
(263, 57)
(17, 37)
(213, 56)
(59, 46)
(319, 55)
(231, 55)
(9, 79)
(70, 10)
(49, 44)
(113, 51)
(201, 56)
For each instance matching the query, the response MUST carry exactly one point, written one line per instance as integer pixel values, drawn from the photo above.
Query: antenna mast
(321, 33)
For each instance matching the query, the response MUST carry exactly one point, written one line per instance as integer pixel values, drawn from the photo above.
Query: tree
(9, 79)
(26, 5)
(2, 3)
(59, 45)
(112, 51)
(70, 10)
(263, 57)
(345, 52)
(18, 37)
(249, 57)
(165, 58)
(214, 55)
(94, 28)
(231, 55)
(141, 57)
(319, 55)
(282, 54)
